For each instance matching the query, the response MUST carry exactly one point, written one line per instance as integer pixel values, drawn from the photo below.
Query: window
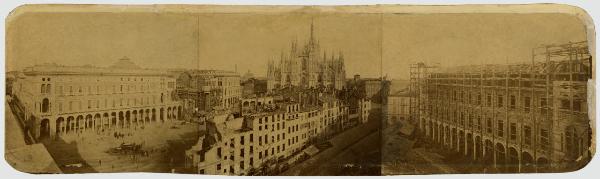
(241, 152)
(513, 131)
(565, 104)
(251, 137)
(489, 126)
(201, 171)
(219, 152)
(527, 104)
(500, 100)
(489, 100)
(544, 139)
(527, 135)
(218, 166)
(513, 102)
(242, 140)
(500, 128)
(242, 164)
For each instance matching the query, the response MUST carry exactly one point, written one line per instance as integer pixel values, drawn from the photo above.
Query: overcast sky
(372, 44)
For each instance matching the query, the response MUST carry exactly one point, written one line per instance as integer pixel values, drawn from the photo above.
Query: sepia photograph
(299, 90)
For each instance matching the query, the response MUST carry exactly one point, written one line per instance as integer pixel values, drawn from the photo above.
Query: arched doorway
(80, 123)
(89, 121)
(70, 124)
(478, 149)
(169, 113)
(470, 146)
(121, 119)
(97, 122)
(527, 163)
(488, 156)
(153, 115)
(60, 128)
(135, 117)
(543, 165)
(128, 119)
(513, 160)
(44, 128)
(161, 115)
(500, 157)
(179, 112)
(113, 119)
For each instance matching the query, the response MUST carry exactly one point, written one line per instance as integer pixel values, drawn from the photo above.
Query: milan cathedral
(305, 67)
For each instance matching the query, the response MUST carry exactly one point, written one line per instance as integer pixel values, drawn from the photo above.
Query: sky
(372, 44)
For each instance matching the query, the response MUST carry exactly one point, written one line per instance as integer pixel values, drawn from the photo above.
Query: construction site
(528, 117)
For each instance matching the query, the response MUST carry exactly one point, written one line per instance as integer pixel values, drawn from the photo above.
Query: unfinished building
(529, 117)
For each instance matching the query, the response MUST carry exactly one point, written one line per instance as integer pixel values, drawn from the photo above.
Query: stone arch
(527, 163)
(500, 157)
(543, 165)
(113, 119)
(162, 114)
(512, 165)
(121, 119)
(488, 156)
(134, 113)
(153, 115)
(128, 119)
(70, 124)
(80, 123)
(44, 128)
(88, 121)
(97, 121)
(169, 113)
(179, 112)
(245, 104)
(470, 146)
(147, 117)
(60, 126)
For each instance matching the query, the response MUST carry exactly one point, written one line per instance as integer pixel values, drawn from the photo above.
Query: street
(361, 143)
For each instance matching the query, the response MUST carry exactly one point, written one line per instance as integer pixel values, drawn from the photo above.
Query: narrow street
(363, 139)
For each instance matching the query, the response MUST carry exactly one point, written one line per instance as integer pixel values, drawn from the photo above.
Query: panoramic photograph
(296, 91)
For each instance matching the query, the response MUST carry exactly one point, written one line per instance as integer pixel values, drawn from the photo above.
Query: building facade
(398, 107)
(267, 140)
(61, 100)
(207, 89)
(515, 118)
(305, 66)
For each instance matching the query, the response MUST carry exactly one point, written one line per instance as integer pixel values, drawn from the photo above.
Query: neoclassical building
(305, 66)
(63, 100)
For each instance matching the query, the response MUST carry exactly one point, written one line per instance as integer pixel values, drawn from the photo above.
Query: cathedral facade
(305, 66)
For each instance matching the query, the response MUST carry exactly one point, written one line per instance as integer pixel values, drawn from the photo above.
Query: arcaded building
(530, 117)
(64, 100)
